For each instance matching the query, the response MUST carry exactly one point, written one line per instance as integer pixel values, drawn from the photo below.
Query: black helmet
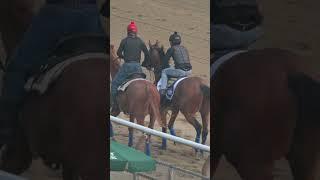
(175, 38)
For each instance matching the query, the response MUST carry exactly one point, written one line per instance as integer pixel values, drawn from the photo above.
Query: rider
(181, 60)
(55, 20)
(235, 25)
(130, 50)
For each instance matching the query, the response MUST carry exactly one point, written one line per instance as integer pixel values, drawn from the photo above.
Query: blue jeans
(225, 39)
(171, 72)
(125, 71)
(51, 24)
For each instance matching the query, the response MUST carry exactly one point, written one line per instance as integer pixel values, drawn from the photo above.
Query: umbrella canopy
(123, 158)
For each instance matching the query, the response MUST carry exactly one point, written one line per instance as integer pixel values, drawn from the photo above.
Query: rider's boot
(115, 109)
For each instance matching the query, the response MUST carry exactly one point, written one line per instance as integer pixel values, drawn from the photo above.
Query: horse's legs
(303, 155)
(205, 122)
(143, 137)
(193, 121)
(130, 142)
(251, 168)
(173, 117)
(148, 140)
(163, 114)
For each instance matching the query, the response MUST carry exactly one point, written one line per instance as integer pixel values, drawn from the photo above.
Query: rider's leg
(164, 78)
(228, 39)
(178, 72)
(116, 82)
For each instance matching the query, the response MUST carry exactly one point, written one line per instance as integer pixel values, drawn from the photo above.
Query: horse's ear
(157, 43)
(150, 43)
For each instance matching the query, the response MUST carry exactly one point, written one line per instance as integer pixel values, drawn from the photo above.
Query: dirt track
(289, 24)
(157, 20)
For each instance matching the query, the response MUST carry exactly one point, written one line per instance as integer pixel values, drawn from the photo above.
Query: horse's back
(74, 110)
(253, 104)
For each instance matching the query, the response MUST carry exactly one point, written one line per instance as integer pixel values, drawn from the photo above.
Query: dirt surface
(289, 24)
(157, 20)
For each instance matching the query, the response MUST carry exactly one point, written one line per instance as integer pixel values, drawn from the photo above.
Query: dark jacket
(239, 14)
(130, 49)
(180, 57)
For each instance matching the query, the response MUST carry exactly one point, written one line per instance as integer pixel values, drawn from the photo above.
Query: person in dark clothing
(182, 66)
(130, 50)
(235, 25)
(55, 20)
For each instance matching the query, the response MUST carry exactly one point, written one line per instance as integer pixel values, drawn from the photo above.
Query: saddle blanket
(40, 82)
(222, 60)
(171, 89)
(126, 84)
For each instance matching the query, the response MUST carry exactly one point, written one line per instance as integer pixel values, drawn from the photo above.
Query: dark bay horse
(139, 99)
(266, 106)
(66, 125)
(192, 95)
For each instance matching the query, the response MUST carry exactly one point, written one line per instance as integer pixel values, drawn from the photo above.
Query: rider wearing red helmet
(130, 50)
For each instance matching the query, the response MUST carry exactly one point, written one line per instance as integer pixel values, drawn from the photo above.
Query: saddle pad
(41, 82)
(171, 89)
(222, 60)
(125, 85)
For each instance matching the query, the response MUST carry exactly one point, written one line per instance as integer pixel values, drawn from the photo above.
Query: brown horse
(266, 107)
(138, 100)
(66, 125)
(192, 95)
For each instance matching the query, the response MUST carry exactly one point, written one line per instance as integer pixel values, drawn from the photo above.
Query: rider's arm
(165, 63)
(120, 50)
(145, 51)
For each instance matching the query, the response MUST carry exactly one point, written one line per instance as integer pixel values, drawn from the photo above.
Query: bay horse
(66, 125)
(139, 99)
(192, 95)
(266, 106)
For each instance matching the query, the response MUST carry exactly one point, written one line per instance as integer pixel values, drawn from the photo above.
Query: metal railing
(171, 168)
(160, 134)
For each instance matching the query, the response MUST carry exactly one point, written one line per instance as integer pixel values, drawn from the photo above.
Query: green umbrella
(123, 158)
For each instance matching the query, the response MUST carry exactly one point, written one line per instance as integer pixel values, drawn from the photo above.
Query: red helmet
(132, 27)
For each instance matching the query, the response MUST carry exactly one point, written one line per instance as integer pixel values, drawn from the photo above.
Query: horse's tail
(154, 103)
(205, 90)
(307, 92)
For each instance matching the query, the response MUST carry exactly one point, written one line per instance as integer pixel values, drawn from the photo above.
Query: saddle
(131, 78)
(171, 85)
(67, 51)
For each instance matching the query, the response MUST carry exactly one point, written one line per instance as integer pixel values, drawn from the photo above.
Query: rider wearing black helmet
(235, 25)
(182, 66)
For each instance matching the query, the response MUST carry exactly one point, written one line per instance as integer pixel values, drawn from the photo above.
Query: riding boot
(163, 98)
(114, 104)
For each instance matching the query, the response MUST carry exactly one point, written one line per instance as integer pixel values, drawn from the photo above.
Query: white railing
(160, 134)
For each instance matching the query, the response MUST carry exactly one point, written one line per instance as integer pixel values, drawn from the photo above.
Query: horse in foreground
(266, 106)
(191, 95)
(138, 99)
(65, 123)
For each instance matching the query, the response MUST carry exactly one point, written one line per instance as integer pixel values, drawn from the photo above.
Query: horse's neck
(114, 67)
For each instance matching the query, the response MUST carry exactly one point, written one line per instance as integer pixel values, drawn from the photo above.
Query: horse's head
(156, 55)
(114, 61)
